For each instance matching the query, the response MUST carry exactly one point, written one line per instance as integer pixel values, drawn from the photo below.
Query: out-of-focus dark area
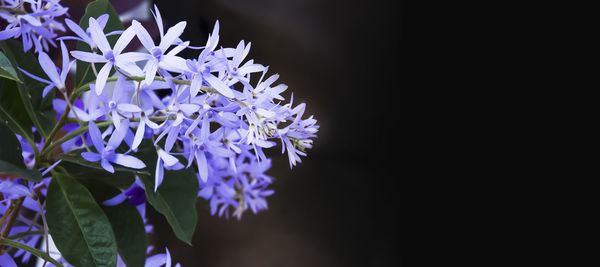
(341, 206)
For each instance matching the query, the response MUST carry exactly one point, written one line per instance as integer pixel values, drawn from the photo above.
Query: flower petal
(98, 35)
(88, 57)
(96, 136)
(143, 35)
(128, 161)
(102, 76)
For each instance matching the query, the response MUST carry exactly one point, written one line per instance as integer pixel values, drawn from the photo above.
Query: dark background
(343, 206)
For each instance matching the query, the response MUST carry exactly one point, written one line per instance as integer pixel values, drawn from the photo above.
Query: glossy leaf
(176, 196)
(11, 160)
(80, 229)
(126, 222)
(6, 69)
(84, 173)
(12, 111)
(39, 109)
(85, 73)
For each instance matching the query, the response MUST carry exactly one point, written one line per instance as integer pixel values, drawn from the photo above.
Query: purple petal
(159, 21)
(143, 35)
(139, 135)
(102, 76)
(107, 166)
(202, 165)
(8, 261)
(159, 174)
(128, 161)
(88, 57)
(167, 158)
(98, 36)
(124, 40)
(91, 156)
(172, 34)
(65, 59)
(219, 85)
(79, 31)
(47, 89)
(151, 71)
(118, 199)
(96, 136)
(118, 135)
(10, 33)
(34, 77)
(102, 20)
(49, 68)
(131, 57)
(129, 108)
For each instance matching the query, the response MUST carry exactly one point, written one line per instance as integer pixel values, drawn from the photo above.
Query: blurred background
(342, 205)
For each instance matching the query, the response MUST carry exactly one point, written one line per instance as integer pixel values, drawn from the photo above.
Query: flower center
(110, 56)
(204, 69)
(112, 104)
(157, 53)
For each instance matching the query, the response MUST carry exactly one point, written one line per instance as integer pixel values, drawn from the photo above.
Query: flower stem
(40, 254)
(71, 135)
(24, 234)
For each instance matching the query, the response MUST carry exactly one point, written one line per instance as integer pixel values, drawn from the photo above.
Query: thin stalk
(59, 124)
(24, 234)
(77, 132)
(40, 254)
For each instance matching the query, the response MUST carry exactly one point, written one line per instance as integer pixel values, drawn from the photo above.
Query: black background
(342, 205)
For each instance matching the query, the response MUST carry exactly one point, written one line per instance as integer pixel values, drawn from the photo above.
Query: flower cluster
(34, 21)
(216, 114)
(206, 109)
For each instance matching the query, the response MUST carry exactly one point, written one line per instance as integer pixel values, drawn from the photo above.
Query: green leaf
(119, 179)
(80, 229)
(126, 222)
(6, 69)
(11, 148)
(39, 109)
(85, 73)
(176, 196)
(11, 160)
(12, 111)
(12, 169)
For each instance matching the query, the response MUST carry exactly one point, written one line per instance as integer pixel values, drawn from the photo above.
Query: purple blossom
(32, 21)
(157, 58)
(110, 56)
(107, 154)
(56, 80)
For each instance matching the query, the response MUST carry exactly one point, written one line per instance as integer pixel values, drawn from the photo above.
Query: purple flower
(56, 80)
(7, 260)
(157, 57)
(111, 57)
(107, 154)
(159, 260)
(36, 27)
(85, 36)
(135, 195)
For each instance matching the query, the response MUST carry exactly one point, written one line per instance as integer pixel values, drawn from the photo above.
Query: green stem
(37, 253)
(24, 234)
(72, 135)
(59, 124)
